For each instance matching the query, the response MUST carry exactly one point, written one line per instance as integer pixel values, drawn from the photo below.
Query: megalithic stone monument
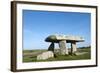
(62, 40)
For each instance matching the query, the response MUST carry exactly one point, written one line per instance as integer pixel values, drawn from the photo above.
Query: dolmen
(62, 40)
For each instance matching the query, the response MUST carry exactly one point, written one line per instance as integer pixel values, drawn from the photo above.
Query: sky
(37, 25)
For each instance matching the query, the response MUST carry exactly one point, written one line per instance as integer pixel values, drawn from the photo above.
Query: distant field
(30, 55)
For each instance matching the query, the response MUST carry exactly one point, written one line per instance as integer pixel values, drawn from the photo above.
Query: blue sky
(37, 25)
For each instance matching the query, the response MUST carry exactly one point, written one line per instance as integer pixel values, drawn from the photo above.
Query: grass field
(30, 55)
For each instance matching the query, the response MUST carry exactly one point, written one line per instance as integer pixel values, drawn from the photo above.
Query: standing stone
(51, 47)
(62, 46)
(73, 47)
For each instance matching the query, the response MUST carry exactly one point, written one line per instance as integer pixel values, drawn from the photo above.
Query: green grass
(30, 56)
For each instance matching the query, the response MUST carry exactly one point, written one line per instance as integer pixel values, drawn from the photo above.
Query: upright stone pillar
(73, 47)
(62, 46)
(51, 47)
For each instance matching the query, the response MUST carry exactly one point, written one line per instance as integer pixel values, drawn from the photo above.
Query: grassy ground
(30, 55)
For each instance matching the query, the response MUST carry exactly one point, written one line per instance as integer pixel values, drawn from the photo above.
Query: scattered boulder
(45, 55)
(81, 53)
